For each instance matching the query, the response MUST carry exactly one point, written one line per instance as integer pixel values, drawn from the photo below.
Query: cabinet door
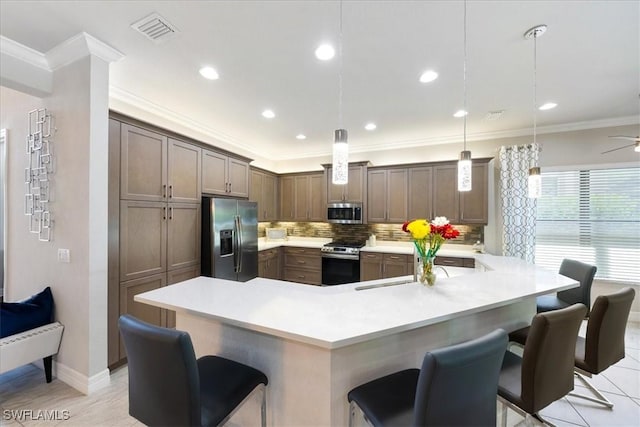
(145, 312)
(395, 266)
(184, 172)
(335, 193)
(445, 192)
(287, 198)
(370, 266)
(255, 193)
(183, 229)
(473, 204)
(269, 195)
(143, 239)
(316, 200)
(302, 198)
(214, 173)
(355, 186)
(397, 195)
(377, 195)
(238, 178)
(143, 164)
(420, 193)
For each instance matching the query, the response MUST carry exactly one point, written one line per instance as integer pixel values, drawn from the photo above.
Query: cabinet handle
(394, 257)
(171, 191)
(229, 187)
(300, 277)
(171, 212)
(164, 191)
(164, 214)
(301, 262)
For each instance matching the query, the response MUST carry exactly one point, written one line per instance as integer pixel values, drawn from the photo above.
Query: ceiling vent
(155, 27)
(494, 115)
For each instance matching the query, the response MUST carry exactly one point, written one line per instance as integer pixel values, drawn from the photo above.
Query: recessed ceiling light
(460, 113)
(209, 73)
(548, 106)
(301, 136)
(269, 114)
(428, 76)
(370, 126)
(325, 52)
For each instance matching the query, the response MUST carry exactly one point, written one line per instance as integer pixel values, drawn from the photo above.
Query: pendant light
(535, 179)
(340, 166)
(464, 164)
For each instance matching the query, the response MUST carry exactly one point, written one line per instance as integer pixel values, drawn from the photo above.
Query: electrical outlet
(64, 255)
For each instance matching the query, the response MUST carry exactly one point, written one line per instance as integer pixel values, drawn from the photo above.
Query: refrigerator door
(248, 239)
(225, 254)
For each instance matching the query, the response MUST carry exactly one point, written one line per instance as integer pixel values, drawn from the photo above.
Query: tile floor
(25, 388)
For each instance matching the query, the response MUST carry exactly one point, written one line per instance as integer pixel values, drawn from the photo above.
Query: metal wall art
(38, 173)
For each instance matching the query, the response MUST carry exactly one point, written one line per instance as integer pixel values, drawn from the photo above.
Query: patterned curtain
(518, 210)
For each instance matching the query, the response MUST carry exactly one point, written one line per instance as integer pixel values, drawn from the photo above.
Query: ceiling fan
(636, 143)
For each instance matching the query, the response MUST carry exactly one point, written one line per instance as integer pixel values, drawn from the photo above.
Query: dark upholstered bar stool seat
(544, 373)
(456, 386)
(578, 271)
(604, 342)
(169, 387)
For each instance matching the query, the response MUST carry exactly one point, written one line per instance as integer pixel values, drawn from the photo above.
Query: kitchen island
(316, 343)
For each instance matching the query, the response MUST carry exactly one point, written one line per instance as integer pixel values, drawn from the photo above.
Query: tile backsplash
(469, 234)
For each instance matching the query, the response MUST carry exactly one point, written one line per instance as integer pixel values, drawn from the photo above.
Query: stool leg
(263, 407)
(47, 361)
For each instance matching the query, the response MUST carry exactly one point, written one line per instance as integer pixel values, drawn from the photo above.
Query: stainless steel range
(341, 263)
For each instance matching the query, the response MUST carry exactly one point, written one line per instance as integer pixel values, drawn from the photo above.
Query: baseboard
(81, 382)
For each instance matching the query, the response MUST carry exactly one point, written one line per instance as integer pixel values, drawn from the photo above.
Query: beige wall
(79, 211)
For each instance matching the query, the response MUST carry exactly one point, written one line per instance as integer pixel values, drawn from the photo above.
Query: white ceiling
(588, 63)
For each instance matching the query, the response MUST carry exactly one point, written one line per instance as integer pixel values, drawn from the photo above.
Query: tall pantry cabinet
(154, 204)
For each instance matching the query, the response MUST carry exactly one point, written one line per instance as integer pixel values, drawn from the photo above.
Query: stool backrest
(549, 355)
(164, 386)
(458, 384)
(582, 273)
(604, 344)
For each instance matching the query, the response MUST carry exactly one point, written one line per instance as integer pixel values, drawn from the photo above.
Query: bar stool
(169, 387)
(456, 386)
(578, 271)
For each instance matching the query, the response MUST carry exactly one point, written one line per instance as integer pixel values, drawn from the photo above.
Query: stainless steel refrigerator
(229, 239)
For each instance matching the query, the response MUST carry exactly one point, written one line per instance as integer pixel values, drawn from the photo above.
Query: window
(592, 216)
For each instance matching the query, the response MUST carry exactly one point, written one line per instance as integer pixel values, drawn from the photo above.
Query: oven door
(337, 270)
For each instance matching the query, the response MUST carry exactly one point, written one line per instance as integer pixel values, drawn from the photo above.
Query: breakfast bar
(316, 343)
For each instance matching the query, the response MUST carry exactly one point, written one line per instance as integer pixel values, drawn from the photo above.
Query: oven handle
(340, 256)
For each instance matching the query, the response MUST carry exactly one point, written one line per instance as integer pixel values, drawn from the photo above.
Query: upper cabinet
(156, 168)
(353, 191)
(445, 192)
(387, 195)
(224, 175)
(302, 197)
(263, 190)
(474, 203)
(420, 198)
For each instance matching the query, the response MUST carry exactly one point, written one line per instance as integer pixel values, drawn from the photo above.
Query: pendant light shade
(464, 171)
(340, 167)
(535, 183)
(535, 179)
(464, 164)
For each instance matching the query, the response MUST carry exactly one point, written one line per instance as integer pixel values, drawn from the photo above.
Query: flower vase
(426, 275)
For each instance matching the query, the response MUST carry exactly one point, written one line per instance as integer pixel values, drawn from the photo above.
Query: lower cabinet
(303, 265)
(376, 265)
(269, 263)
(177, 276)
(455, 261)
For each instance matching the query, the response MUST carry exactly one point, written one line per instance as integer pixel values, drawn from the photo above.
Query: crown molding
(129, 99)
(79, 46)
(23, 53)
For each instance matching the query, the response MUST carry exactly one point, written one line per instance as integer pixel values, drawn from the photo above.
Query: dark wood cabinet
(474, 203)
(302, 265)
(263, 190)
(302, 197)
(269, 263)
(387, 195)
(376, 265)
(224, 175)
(353, 191)
(445, 192)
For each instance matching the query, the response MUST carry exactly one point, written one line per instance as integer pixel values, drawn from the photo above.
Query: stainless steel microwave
(344, 213)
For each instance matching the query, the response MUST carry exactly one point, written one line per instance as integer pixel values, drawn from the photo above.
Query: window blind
(592, 216)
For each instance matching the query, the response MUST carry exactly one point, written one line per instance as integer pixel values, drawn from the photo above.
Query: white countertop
(337, 316)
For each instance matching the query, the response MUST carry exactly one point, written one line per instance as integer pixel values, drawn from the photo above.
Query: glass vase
(425, 272)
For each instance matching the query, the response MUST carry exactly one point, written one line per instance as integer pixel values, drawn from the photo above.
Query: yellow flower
(419, 229)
